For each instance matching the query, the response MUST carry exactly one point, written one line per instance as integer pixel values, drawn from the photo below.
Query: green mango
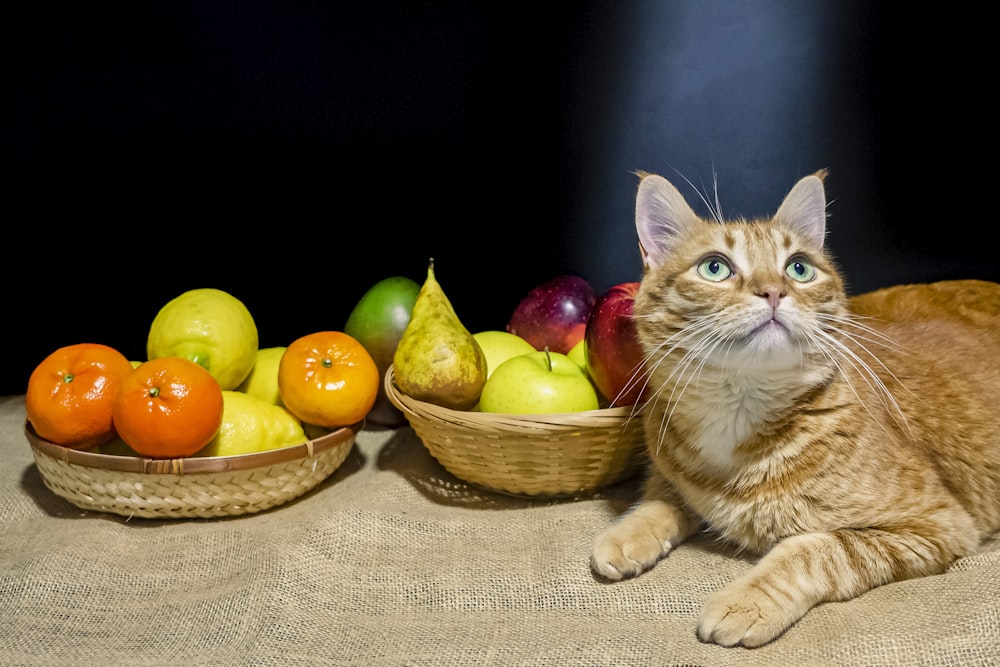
(377, 322)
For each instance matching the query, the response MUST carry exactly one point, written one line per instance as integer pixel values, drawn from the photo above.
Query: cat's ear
(661, 215)
(804, 208)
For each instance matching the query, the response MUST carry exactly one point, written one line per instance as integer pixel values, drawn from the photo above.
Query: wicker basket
(548, 455)
(193, 487)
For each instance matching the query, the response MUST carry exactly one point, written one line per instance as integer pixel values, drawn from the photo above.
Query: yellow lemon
(252, 425)
(211, 328)
(262, 382)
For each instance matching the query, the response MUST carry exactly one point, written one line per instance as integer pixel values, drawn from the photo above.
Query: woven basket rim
(527, 455)
(191, 465)
(503, 421)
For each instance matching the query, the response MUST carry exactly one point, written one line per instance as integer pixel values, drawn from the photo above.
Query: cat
(847, 442)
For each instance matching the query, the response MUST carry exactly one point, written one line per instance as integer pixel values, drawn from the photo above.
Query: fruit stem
(548, 358)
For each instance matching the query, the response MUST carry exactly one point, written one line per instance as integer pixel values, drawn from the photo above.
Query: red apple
(614, 355)
(554, 314)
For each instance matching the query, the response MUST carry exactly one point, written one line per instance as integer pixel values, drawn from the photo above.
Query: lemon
(211, 328)
(262, 382)
(252, 425)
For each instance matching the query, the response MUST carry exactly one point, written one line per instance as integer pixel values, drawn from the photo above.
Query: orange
(168, 407)
(328, 379)
(70, 394)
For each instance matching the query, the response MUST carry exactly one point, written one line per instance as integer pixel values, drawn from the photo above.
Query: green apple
(578, 353)
(499, 346)
(540, 382)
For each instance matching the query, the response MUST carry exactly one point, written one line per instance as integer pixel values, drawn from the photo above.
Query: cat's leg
(644, 535)
(804, 570)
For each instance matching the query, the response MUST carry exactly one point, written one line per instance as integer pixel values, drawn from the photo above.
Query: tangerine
(70, 394)
(169, 407)
(328, 379)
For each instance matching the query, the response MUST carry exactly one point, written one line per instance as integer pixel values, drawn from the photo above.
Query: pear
(437, 360)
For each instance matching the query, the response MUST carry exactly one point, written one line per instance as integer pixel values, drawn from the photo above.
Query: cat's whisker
(718, 339)
(729, 348)
(715, 210)
(873, 335)
(695, 352)
(671, 344)
(836, 361)
(652, 367)
(868, 375)
(700, 354)
(877, 339)
(652, 362)
(665, 419)
(638, 380)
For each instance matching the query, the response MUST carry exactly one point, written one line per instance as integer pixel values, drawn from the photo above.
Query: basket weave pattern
(550, 455)
(188, 488)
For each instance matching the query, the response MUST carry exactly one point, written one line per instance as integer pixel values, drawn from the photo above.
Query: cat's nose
(772, 293)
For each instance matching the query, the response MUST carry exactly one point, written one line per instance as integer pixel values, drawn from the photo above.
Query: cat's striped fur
(851, 441)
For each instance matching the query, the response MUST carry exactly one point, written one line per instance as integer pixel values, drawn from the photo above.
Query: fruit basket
(551, 455)
(205, 487)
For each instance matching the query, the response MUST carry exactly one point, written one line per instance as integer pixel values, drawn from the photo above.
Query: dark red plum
(554, 314)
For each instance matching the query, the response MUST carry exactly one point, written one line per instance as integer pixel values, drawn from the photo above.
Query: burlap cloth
(392, 561)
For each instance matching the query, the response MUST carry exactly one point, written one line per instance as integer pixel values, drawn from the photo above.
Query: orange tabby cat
(853, 442)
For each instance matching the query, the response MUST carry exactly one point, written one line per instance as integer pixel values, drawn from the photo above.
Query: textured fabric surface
(392, 561)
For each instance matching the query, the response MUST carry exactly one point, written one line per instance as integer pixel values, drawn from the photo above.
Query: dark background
(294, 154)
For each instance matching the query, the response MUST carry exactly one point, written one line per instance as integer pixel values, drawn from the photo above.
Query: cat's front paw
(741, 614)
(632, 545)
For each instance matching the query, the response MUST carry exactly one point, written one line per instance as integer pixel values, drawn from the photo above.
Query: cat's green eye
(800, 270)
(714, 268)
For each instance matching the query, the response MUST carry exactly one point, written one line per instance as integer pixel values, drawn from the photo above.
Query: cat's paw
(629, 548)
(741, 614)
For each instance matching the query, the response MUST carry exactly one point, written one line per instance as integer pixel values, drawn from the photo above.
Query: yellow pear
(437, 359)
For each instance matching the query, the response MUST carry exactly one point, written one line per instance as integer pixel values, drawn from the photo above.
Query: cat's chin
(770, 335)
(769, 347)
(748, 362)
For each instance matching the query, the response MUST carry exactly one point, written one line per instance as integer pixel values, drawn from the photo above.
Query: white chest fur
(725, 408)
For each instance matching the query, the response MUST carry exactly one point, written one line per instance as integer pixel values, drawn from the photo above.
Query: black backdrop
(295, 153)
